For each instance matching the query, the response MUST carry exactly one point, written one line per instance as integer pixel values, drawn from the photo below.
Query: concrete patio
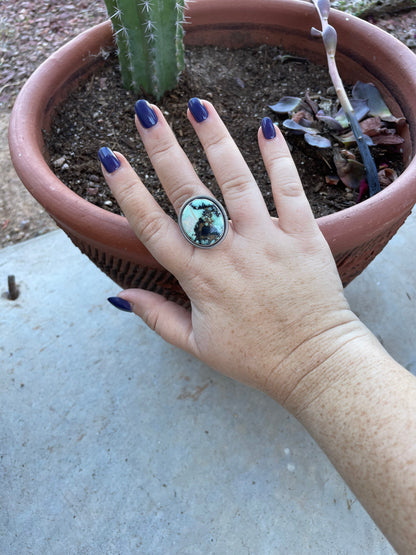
(113, 442)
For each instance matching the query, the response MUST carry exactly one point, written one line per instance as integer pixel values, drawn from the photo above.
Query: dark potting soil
(240, 83)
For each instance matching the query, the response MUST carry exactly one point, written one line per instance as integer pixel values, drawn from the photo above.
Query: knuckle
(151, 319)
(286, 174)
(162, 150)
(181, 194)
(292, 188)
(236, 187)
(126, 195)
(216, 143)
(151, 227)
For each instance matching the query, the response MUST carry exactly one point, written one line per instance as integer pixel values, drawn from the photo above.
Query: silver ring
(203, 222)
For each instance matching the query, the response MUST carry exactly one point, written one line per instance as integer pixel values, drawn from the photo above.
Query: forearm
(361, 409)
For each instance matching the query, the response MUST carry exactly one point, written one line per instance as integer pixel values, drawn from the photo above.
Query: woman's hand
(267, 308)
(267, 302)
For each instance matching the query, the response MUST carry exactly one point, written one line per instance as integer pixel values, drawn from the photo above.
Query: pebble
(59, 162)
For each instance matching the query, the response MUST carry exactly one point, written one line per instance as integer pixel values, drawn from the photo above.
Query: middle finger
(171, 164)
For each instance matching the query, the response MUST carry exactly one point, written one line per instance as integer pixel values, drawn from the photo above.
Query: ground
(29, 32)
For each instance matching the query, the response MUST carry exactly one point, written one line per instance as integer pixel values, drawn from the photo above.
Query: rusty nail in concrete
(13, 289)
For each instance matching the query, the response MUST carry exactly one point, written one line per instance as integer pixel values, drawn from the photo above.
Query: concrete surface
(113, 442)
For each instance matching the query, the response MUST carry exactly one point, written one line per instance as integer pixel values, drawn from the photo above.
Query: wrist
(320, 362)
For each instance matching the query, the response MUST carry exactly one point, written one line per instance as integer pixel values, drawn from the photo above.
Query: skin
(268, 310)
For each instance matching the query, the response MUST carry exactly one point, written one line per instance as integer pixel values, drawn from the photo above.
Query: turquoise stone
(203, 221)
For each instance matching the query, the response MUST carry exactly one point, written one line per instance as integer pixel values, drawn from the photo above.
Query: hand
(267, 303)
(267, 308)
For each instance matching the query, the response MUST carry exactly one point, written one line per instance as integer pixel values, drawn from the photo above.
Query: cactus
(149, 35)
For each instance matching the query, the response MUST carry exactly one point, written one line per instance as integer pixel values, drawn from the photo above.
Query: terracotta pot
(356, 235)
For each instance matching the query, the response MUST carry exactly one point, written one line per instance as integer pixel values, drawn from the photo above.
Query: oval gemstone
(203, 221)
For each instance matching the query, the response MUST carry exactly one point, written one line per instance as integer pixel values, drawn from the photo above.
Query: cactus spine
(149, 35)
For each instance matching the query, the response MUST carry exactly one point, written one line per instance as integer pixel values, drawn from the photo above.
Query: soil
(26, 40)
(240, 83)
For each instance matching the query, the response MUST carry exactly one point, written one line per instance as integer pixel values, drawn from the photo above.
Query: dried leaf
(350, 172)
(331, 123)
(386, 176)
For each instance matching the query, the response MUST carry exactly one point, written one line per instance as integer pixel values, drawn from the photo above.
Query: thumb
(169, 320)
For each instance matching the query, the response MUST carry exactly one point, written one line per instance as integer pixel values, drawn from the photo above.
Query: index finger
(155, 229)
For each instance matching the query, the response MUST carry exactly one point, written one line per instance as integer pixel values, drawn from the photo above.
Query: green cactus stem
(149, 35)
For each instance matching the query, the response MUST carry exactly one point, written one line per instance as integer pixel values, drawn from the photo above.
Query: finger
(157, 231)
(293, 208)
(241, 193)
(169, 320)
(172, 166)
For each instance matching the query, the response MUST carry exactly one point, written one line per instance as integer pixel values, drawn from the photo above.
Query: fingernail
(120, 303)
(269, 131)
(198, 110)
(147, 116)
(108, 159)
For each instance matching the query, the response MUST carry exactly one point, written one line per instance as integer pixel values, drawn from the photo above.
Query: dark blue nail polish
(120, 303)
(108, 159)
(147, 116)
(269, 132)
(198, 110)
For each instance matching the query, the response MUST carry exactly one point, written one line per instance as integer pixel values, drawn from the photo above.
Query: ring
(203, 222)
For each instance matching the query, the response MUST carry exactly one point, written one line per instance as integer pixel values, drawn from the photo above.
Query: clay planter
(356, 235)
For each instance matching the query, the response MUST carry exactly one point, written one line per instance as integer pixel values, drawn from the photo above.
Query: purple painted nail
(269, 132)
(147, 116)
(120, 303)
(198, 110)
(108, 159)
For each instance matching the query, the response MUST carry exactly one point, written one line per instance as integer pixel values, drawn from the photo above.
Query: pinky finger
(294, 211)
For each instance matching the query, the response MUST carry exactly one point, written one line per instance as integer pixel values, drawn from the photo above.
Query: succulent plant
(329, 37)
(149, 35)
(325, 126)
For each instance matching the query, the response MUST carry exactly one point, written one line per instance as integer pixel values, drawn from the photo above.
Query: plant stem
(368, 161)
(329, 36)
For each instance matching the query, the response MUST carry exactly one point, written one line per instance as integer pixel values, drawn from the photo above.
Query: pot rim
(104, 227)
